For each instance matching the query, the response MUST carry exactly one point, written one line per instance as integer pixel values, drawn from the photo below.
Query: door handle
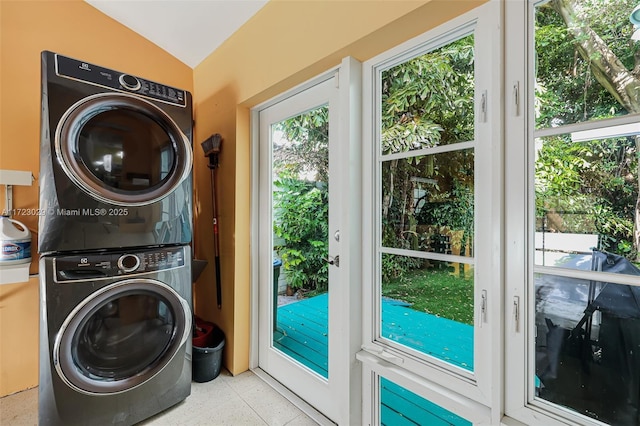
(334, 260)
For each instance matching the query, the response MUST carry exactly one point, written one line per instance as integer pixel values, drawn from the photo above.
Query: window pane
(126, 150)
(399, 406)
(587, 339)
(586, 197)
(300, 233)
(428, 306)
(428, 101)
(584, 61)
(428, 204)
(124, 337)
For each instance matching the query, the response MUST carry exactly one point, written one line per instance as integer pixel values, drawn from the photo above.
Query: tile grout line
(245, 402)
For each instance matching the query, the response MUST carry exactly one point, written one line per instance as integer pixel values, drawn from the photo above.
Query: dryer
(115, 159)
(115, 335)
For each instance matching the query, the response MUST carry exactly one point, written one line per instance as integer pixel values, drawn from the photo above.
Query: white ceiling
(188, 29)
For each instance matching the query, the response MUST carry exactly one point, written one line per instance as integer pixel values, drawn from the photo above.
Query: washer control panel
(106, 265)
(104, 77)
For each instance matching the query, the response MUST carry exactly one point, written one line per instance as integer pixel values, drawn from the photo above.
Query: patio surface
(302, 334)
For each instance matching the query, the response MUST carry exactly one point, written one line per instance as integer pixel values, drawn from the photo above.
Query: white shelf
(15, 177)
(10, 274)
(19, 273)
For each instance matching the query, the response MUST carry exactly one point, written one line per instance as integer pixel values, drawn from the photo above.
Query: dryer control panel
(104, 77)
(108, 265)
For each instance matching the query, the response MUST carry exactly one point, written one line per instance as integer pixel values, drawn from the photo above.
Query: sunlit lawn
(434, 291)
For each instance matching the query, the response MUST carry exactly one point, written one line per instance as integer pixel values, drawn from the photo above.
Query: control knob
(129, 82)
(128, 262)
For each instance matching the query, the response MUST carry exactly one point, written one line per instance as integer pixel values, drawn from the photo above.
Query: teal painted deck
(439, 337)
(302, 334)
(400, 407)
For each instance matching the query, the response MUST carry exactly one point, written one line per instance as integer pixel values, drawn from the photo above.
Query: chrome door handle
(334, 260)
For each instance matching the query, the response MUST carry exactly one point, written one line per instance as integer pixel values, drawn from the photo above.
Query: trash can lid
(277, 262)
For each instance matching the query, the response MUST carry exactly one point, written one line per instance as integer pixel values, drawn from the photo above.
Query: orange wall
(75, 29)
(284, 44)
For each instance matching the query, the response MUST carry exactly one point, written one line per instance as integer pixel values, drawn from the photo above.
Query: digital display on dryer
(163, 259)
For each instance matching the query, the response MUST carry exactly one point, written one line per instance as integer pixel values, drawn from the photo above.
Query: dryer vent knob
(129, 82)
(128, 262)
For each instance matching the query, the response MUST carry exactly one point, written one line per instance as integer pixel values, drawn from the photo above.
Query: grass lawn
(434, 291)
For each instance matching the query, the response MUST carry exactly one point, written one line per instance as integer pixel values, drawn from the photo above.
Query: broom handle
(216, 241)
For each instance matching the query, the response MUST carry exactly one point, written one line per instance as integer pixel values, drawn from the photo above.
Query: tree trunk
(607, 68)
(404, 201)
(387, 199)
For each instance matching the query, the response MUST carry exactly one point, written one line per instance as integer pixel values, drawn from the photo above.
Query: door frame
(346, 296)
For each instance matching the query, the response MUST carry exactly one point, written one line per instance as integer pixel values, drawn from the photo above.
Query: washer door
(122, 149)
(121, 336)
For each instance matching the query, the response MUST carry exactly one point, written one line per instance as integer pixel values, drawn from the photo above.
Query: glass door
(299, 244)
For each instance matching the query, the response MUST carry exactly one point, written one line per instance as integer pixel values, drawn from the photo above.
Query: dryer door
(122, 149)
(121, 336)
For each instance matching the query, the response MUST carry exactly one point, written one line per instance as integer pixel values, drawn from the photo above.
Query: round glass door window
(121, 336)
(122, 150)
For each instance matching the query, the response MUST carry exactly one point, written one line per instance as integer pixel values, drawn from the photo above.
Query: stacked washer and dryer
(114, 234)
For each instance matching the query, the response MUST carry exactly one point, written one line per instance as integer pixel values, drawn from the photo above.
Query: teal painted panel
(400, 406)
(390, 417)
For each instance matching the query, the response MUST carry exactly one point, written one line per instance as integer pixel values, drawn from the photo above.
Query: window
(427, 134)
(432, 115)
(578, 171)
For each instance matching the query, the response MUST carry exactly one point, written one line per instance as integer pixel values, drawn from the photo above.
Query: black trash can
(207, 359)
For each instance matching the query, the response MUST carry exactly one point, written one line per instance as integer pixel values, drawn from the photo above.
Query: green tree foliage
(427, 101)
(587, 68)
(301, 224)
(307, 147)
(591, 184)
(301, 163)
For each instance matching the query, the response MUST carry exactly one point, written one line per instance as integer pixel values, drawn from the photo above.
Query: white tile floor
(235, 401)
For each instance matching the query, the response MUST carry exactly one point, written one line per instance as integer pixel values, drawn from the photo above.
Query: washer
(115, 159)
(115, 335)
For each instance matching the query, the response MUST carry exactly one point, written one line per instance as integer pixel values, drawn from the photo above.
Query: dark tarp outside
(621, 301)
